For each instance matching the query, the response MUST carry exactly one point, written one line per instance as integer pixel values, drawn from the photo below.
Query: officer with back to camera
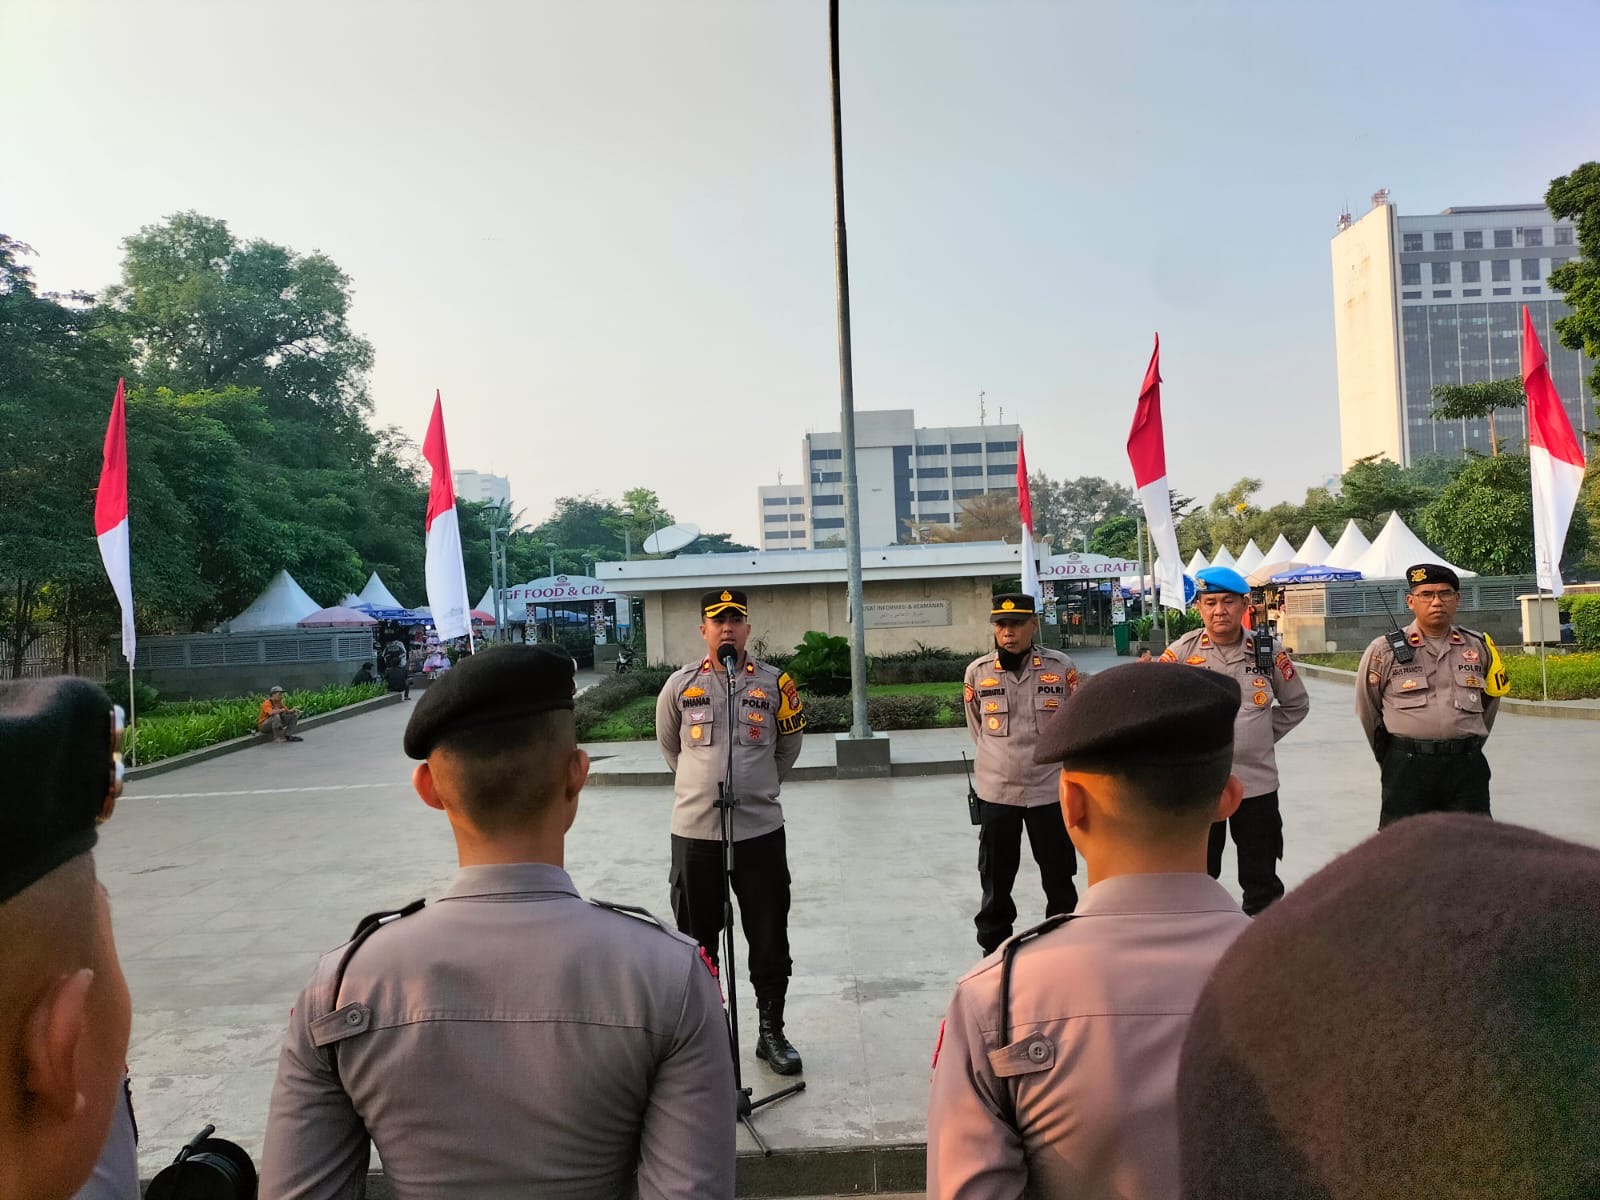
(1009, 695)
(511, 1039)
(691, 723)
(1273, 700)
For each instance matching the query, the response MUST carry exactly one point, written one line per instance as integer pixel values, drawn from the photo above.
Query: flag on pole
(1030, 561)
(1555, 460)
(446, 576)
(111, 518)
(1148, 453)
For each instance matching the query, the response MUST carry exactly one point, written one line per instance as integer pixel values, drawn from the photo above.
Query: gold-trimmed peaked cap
(1431, 573)
(720, 600)
(1012, 606)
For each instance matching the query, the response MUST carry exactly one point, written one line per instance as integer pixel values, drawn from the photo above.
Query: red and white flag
(1147, 452)
(1555, 460)
(446, 576)
(111, 518)
(1030, 561)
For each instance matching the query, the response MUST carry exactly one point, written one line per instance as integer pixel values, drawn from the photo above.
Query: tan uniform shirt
(1271, 702)
(692, 725)
(509, 1040)
(1082, 1103)
(1438, 696)
(1005, 712)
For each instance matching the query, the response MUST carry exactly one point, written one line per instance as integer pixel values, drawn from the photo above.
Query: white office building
(487, 489)
(908, 480)
(1422, 301)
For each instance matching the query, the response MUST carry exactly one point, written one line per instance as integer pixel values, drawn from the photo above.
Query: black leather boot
(772, 1047)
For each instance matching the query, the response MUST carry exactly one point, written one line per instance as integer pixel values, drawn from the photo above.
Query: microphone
(729, 656)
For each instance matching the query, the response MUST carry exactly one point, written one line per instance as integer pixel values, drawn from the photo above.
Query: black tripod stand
(727, 801)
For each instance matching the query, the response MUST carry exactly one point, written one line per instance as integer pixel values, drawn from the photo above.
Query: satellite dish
(673, 537)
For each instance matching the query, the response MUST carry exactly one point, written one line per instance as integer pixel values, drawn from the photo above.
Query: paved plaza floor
(228, 879)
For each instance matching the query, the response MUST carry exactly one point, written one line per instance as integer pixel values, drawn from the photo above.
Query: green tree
(1483, 520)
(1069, 510)
(1117, 538)
(1373, 487)
(639, 515)
(1575, 197)
(715, 543)
(1478, 401)
(582, 523)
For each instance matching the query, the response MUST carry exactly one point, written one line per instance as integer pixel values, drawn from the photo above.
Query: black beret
(721, 599)
(1431, 573)
(1011, 605)
(1146, 711)
(497, 684)
(1420, 1018)
(62, 774)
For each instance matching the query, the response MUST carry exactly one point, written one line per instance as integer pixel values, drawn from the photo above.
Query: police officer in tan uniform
(1057, 1066)
(1273, 700)
(1427, 719)
(511, 1039)
(692, 725)
(1009, 695)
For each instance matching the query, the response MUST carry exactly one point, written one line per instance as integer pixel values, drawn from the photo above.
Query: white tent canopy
(1197, 563)
(281, 604)
(1280, 551)
(1314, 550)
(1396, 548)
(1352, 544)
(1249, 558)
(349, 600)
(1223, 558)
(377, 595)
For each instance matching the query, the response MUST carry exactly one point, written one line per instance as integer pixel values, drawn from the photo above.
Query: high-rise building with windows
(908, 479)
(1422, 301)
(487, 489)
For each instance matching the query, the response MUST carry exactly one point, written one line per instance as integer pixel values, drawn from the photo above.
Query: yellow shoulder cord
(1497, 681)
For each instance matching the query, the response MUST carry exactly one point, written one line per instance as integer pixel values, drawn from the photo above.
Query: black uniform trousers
(1257, 827)
(1423, 777)
(1000, 854)
(761, 883)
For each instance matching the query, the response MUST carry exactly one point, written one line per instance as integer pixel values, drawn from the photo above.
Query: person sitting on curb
(277, 718)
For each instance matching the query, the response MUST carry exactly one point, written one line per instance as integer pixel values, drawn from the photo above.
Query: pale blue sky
(605, 230)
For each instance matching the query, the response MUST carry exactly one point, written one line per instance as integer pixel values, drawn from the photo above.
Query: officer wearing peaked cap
(692, 721)
(1057, 1065)
(1427, 709)
(510, 1038)
(1272, 702)
(64, 1006)
(1009, 695)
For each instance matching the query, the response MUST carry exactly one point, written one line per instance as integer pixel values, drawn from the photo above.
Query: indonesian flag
(1555, 459)
(1030, 562)
(446, 576)
(1148, 453)
(111, 518)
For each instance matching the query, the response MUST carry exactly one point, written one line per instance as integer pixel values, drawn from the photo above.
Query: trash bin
(1120, 636)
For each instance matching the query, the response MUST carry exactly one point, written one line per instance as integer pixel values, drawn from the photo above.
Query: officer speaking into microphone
(1009, 695)
(1273, 700)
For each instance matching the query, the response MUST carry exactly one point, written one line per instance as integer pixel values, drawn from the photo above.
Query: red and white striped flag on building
(446, 576)
(1555, 460)
(1030, 561)
(1147, 452)
(111, 518)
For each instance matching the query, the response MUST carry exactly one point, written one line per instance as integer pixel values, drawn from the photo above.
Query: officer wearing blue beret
(1273, 700)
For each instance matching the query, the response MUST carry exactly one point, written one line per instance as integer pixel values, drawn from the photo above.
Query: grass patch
(182, 726)
(635, 721)
(1572, 676)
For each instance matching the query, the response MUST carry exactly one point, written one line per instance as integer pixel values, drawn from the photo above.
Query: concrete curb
(233, 745)
(1558, 710)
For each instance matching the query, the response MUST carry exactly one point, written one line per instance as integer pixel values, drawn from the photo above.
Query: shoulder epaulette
(642, 915)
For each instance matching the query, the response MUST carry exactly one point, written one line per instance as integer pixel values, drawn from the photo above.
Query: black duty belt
(1451, 747)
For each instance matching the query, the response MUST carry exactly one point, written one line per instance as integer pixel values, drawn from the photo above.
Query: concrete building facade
(909, 478)
(1428, 300)
(479, 487)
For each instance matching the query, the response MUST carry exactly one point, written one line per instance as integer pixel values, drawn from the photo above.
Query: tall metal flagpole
(847, 412)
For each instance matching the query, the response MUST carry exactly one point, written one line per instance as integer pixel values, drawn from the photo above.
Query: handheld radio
(1403, 653)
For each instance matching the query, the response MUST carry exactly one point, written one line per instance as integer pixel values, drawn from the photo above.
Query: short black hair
(511, 770)
(1162, 792)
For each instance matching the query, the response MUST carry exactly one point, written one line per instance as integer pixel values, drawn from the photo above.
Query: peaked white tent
(1197, 563)
(1314, 550)
(281, 605)
(1280, 551)
(349, 600)
(1396, 548)
(1249, 558)
(1347, 551)
(377, 595)
(1223, 558)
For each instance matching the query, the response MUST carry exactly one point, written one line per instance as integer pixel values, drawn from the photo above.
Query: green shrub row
(178, 728)
(613, 692)
(833, 714)
(1585, 618)
(1572, 676)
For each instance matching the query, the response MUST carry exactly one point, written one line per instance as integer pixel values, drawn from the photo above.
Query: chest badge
(754, 717)
(994, 722)
(693, 692)
(1469, 656)
(1260, 683)
(1196, 660)
(991, 706)
(1049, 678)
(1261, 699)
(990, 682)
(756, 693)
(697, 732)
(1407, 685)
(755, 734)
(1052, 702)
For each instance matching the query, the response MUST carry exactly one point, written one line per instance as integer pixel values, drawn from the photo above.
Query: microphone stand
(727, 800)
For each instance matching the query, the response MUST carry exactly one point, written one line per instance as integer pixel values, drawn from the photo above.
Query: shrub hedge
(1585, 615)
(177, 728)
